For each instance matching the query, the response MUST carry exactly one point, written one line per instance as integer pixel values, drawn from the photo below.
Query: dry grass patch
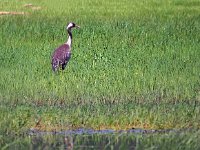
(11, 13)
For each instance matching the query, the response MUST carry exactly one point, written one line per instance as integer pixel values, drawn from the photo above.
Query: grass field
(134, 64)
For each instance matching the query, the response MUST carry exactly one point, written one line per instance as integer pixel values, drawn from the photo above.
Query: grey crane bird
(62, 54)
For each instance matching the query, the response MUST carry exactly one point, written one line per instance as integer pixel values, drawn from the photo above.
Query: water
(82, 131)
(85, 139)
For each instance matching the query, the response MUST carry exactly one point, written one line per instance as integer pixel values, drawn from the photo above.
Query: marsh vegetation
(134, 64)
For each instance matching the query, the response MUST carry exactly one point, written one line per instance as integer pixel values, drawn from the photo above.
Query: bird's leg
(63, 66)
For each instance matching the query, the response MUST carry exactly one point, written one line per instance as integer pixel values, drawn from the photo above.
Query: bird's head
(72, 25)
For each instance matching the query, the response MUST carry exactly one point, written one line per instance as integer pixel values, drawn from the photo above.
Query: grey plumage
(62, 54)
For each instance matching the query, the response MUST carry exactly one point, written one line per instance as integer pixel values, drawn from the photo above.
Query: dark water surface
(82, 131)
(104, 139)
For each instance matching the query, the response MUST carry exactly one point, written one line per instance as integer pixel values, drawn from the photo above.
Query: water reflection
(71, 142)
(68, 140)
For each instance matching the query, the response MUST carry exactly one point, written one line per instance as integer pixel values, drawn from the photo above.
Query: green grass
(176, 141)
(134, 64)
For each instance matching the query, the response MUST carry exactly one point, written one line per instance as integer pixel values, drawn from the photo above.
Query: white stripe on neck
(69, 41)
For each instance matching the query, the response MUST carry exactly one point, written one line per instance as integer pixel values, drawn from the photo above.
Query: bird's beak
(77, 26)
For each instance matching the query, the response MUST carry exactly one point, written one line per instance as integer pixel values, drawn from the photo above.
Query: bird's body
(61, 57)
(62, 54)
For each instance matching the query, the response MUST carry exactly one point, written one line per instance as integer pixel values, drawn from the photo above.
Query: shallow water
(105, 131)
(104, 139)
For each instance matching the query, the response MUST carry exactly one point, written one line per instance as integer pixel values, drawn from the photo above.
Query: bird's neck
(69, 41)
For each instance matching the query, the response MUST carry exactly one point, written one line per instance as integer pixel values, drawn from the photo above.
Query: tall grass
(134, 52)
